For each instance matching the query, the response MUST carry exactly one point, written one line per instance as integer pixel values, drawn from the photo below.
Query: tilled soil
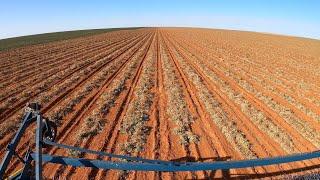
(180, 94)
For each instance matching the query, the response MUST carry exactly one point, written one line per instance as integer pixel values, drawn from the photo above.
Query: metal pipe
(38, 157)
(14, 142)
(173, 167)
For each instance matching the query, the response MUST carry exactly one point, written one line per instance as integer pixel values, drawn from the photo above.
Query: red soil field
(181, 94)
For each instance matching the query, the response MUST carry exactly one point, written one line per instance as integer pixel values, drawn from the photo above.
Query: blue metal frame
(38, 154)
(174, 167)
(133, 163)
(27, 120)
(27, 166)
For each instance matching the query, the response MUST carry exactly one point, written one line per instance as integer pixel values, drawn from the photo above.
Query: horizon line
(195, 27)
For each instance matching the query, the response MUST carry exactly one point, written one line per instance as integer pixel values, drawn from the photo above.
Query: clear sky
(291, 17)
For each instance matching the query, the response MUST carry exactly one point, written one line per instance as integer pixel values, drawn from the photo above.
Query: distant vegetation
(21, 41)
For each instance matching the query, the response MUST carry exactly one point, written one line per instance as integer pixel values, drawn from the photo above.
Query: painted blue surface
(141, 164)
(292, 17)
(173, 167)
(130, 163)
(27, 119)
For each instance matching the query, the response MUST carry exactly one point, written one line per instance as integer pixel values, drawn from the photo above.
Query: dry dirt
(178, 94)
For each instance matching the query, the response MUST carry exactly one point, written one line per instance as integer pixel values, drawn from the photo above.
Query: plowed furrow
(252, 65)
(275, 66)
(208, 66)
(292, 118)
(39, 60)
(181, 112)
(127, 76)
(61, 169)
(204, 117)
(72, 121)
(207, 80)
(175, 94)
(57, 60)
(16, 107)
(111, 144)
(255, 70)
(136, 125)
(94, 53)
(72, 89)
(55, 48)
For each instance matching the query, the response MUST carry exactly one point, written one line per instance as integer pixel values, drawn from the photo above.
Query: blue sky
(290, 17)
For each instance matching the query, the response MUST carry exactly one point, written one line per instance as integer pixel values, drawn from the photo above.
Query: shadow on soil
(211, 174)
(227, 175)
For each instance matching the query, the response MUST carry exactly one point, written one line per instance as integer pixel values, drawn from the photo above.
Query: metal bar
(27, 165)
(191, 166)
(38, 157)
(14, 142)
(129, 158)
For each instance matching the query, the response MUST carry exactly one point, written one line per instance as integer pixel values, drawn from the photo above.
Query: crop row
(258, 68)
(177, 108)
(269, 83)
(281, 61)
(12, 58)
(22, 79)
(27, 71)
(67, 107)
(290, 99)
(97, 81)
(59, 88)
(60, 74)
(277, 76)
(72, 121)
(227, 126)
(138, 112)
(62, 60)
(26, 89)
(258, 117)
(287, 114)
(95, 121)
(55, 58)
(289, 87)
